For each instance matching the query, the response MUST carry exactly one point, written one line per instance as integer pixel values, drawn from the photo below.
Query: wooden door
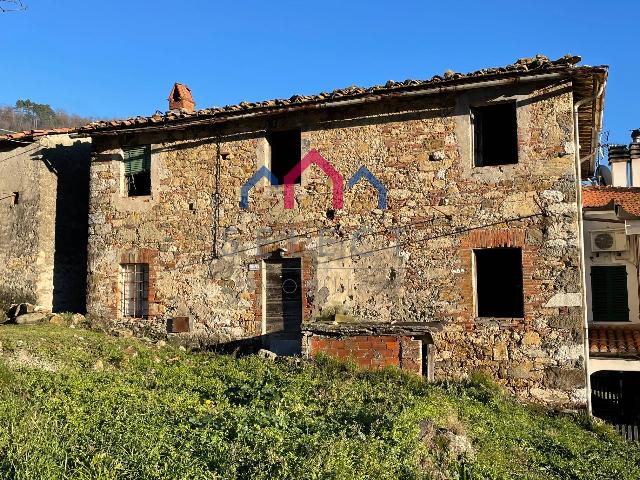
(283, 300)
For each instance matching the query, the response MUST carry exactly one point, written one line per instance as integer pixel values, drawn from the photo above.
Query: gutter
(336, 103)
(583, 272)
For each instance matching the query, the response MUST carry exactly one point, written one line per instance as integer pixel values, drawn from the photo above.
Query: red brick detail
(180, 97)
(491, 238)
(372, 351)
(496, 238)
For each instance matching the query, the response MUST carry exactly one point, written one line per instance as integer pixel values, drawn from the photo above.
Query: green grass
(78, 404)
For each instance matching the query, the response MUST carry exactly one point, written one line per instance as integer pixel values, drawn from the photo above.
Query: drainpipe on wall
(583, 272)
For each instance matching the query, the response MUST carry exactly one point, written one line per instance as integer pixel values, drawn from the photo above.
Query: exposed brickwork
(372, 351)
(181, 98)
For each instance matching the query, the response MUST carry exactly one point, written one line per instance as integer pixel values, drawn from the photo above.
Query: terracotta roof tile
(583, 76)
(626, 197)
(32, 135)
(535, 65)
(614, 341)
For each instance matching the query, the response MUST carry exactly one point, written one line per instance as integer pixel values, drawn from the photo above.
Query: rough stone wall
(43, 237)
(408, 263)
(26, 228)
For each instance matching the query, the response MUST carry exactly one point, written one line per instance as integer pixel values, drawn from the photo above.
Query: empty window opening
(16, 196)
(285, 153)
(495, 134)
(499, 289)
(609, 295)
(137, 170)
(134, 285)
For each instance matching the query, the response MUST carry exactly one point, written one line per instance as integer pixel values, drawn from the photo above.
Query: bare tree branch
(12, 6)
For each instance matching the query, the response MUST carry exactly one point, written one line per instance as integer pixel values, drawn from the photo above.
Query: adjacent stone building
(44, 178)
(435, 228)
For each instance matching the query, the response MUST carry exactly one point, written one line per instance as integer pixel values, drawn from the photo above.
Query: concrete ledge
(371, 328)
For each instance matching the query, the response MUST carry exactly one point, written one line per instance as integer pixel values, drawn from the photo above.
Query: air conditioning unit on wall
(608, 241)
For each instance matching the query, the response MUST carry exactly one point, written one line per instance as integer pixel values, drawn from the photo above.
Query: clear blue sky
(116, 58)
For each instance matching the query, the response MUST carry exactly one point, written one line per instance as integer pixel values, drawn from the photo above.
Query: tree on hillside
(29, 115)
(12, 6)
(39, 113)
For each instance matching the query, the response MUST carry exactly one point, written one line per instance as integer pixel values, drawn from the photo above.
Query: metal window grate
(134, 285)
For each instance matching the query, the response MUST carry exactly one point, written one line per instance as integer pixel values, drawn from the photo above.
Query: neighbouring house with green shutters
(612, 259)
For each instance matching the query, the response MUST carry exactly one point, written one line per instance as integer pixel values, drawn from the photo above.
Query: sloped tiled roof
(585, 82)
(614, 341)
(31, 135)
(599, 198)
(525, 66)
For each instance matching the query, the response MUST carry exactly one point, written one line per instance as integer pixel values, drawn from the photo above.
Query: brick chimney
(619, 161)
(634, 154)
(180, 98)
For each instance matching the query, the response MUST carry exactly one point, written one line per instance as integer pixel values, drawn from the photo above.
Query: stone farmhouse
(429, 224)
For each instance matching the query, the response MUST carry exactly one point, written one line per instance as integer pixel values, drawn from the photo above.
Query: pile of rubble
(28, 314)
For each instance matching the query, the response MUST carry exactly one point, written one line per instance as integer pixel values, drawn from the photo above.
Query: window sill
(134, 197)
(498, 165)
(610, 322)
(501, 319)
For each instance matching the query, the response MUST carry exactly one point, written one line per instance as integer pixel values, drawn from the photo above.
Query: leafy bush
(81, 405)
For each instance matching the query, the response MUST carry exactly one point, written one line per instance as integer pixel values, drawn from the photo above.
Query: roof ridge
(536, 64)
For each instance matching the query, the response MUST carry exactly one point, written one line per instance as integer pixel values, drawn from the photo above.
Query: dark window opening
(428, 352)
(499, 286)
(16, 196)
(134, 288)
(285, 153)
(137, 170)
(495, 134)
(609, 296)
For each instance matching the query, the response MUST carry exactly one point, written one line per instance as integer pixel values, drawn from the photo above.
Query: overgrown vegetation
(79, 404)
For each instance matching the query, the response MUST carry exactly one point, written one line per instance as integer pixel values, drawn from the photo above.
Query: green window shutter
(137, 159)
(609, 296)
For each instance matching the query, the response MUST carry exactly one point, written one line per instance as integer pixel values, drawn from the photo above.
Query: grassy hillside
(77, 404)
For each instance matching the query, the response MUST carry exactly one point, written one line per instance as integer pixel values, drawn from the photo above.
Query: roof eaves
(537, 66)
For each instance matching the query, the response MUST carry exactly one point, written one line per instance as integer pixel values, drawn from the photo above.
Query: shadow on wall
(70, 163)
